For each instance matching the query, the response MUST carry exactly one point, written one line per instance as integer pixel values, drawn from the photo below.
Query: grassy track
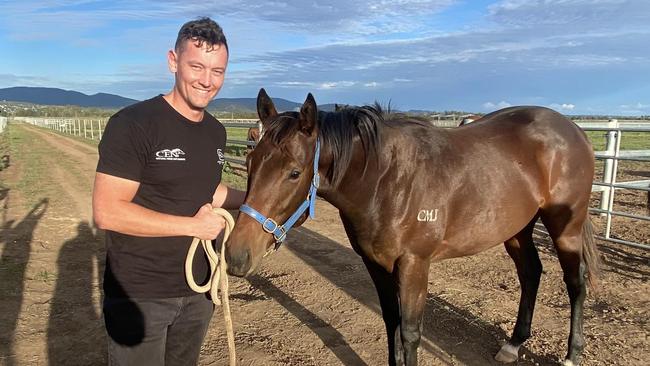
(20, 146)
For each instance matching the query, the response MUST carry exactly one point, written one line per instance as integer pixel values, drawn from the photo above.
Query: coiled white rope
(218, 277)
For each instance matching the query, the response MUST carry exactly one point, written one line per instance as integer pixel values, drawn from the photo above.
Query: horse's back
(531, 129)
(491, 177)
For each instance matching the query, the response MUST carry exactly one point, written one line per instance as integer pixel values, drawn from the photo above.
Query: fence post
(608, 170)
(100, 129)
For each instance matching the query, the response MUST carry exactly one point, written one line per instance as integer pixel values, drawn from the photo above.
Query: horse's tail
(590, 255)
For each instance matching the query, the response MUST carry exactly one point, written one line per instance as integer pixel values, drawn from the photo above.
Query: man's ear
(172, 61)
(265, 108)
(308, 115)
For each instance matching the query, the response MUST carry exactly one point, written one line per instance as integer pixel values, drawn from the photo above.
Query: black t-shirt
(178, 163)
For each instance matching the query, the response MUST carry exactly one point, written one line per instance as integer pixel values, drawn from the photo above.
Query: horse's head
(280, 174)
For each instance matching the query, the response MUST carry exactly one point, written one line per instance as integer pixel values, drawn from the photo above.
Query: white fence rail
(90, 128)
(3, 123)
(612, 155)
(615, 131)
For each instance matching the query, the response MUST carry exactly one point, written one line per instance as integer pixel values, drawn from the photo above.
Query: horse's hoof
(507, 354)
(567, 362)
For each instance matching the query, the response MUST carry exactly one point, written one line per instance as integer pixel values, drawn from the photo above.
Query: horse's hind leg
(565, 226)
(529, 269)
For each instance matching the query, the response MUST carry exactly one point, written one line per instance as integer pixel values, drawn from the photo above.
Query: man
(157, 180)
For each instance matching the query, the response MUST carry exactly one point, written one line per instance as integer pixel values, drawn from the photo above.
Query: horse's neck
(360, 190)
(355, 193)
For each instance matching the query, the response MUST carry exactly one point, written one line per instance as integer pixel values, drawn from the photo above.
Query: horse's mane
(337, 131)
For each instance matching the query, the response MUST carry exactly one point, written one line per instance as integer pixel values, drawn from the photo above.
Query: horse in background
(410, 194)
(253, 135)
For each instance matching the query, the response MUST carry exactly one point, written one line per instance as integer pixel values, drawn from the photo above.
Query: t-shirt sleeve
(122, 149)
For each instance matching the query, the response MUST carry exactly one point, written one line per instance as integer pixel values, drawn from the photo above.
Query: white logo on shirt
(173, 154)
(222, 158)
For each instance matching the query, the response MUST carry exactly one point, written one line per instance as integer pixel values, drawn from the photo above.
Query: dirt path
(312, 302)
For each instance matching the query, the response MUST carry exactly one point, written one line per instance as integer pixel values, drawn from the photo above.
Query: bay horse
(253, 135)
(410, 194)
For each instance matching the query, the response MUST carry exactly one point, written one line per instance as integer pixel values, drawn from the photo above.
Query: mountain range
(55, 96)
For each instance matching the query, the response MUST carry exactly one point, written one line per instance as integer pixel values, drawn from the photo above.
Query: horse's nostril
(238, 263)
(245, 259)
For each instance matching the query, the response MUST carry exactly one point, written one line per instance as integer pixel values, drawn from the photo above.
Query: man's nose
(204, 79)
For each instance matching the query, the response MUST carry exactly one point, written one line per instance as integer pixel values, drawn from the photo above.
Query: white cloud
(563, 106)
(491, 106)
(316, 85)
(336, 84)
(635, 106)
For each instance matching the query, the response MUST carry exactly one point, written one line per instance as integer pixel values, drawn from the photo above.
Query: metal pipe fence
(612, 156)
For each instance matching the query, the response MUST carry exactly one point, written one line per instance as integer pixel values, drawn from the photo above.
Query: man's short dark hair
(202, 30)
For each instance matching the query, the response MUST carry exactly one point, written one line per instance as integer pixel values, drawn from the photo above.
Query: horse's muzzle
(239, 263)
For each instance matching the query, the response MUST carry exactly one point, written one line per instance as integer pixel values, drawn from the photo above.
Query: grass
(25, 148)
(44, 276)
(629, 140)
(5, 153)
(233, 179)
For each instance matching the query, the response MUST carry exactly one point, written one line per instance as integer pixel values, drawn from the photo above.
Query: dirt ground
(312, 303)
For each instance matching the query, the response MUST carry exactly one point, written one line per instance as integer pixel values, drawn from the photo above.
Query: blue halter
(280, 231)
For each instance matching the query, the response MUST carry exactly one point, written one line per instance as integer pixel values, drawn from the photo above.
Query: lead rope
(218, 277)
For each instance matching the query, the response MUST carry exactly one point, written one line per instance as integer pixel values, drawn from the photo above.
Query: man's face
(199, 72)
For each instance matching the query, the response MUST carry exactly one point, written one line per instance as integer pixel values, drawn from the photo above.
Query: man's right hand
(208, 224)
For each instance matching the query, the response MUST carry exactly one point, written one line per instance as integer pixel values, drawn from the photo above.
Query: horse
(469, 119)
(253, 135)
(410, 194)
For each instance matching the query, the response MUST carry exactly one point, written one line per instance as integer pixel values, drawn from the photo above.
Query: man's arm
(228, 198)
(114, 210)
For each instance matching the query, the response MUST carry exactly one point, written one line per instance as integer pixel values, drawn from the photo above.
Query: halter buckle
(273, 228)
(280, 239)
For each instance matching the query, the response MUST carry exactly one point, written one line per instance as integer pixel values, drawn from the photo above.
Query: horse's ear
(308, 114)
(265, 108)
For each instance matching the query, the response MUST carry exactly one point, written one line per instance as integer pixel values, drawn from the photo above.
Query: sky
(575, 56)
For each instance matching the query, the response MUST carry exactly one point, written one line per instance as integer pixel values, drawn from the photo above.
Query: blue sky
(576, 56)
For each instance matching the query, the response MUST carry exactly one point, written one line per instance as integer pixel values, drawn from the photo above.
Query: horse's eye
(294, 174)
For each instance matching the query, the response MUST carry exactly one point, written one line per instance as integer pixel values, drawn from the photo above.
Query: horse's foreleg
(529, 269)
(386, 287)
(412, 273)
